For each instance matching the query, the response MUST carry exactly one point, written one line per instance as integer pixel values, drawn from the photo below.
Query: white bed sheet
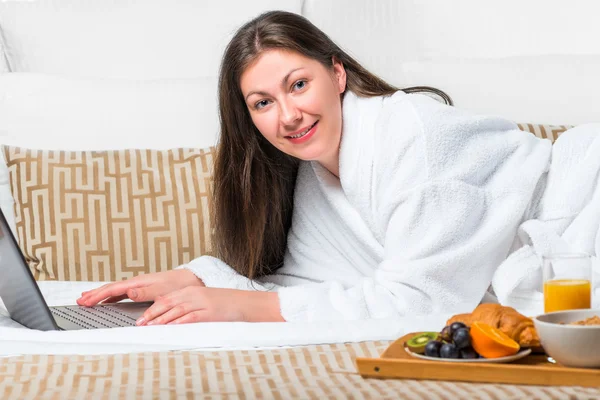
(17, 340)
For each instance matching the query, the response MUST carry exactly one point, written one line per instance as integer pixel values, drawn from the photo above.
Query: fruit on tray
(449, 350)
(506, 319)
(445, 334)
(432, 349)
(490, 331)
(490, 342)
(468, 353)
(418, 342)
(454, 341)
(462, 338)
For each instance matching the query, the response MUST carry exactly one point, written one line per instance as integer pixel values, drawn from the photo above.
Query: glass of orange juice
(567, 282)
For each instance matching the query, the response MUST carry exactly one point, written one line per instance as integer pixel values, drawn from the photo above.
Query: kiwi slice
(418, 342)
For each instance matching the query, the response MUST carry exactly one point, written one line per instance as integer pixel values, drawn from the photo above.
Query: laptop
(26, 305)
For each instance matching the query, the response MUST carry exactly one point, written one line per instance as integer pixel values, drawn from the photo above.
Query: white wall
(531, 61)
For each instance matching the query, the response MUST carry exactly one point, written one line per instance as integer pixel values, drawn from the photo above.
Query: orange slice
(491, 342)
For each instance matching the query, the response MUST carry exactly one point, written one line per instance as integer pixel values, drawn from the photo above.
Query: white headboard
(124, 39)
(532, 61)
(528, 60)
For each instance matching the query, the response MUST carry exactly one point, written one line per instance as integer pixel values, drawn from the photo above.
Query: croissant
(517, 326)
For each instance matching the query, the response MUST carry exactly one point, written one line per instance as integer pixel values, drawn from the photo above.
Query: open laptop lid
(18, 289)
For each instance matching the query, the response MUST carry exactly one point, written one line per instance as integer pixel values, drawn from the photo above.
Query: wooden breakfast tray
(534, 369)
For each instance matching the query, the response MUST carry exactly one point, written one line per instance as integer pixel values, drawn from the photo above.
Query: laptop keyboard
(105, 316)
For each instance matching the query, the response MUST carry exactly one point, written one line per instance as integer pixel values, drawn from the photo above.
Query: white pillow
(133, 39)
(64, 113)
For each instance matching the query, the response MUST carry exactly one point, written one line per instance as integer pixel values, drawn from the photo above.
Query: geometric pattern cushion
(110, 215)
(551, 132)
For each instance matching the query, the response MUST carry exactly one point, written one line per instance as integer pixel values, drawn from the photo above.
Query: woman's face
(295, 103)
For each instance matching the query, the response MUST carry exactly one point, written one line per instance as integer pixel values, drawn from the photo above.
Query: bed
(104, 81)
(308, 372)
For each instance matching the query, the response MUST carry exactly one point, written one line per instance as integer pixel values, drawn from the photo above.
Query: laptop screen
(18, 289)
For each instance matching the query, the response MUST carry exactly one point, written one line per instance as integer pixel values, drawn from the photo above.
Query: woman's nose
(289, 113)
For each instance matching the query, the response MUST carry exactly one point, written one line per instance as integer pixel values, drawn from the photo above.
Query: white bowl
(570, 345)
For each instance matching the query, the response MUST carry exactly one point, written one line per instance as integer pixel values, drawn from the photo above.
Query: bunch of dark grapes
(454, 342)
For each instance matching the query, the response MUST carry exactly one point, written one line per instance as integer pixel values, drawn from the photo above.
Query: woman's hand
(202, 304)
(141, 288)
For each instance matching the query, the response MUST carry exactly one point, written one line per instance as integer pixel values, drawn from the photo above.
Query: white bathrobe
(427, 206)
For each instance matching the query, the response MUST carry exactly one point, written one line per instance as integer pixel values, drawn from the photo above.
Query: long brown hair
(253, 181)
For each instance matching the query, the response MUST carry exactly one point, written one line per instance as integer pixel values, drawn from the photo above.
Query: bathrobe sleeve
(446, 203)
(215, 273)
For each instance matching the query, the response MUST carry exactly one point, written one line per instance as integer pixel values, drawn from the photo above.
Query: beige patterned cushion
(110, 215)
(551, 132)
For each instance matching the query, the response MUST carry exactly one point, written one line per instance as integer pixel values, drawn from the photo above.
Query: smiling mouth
(303, 133)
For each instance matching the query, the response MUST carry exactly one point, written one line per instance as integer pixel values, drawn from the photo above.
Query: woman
(338, 196)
